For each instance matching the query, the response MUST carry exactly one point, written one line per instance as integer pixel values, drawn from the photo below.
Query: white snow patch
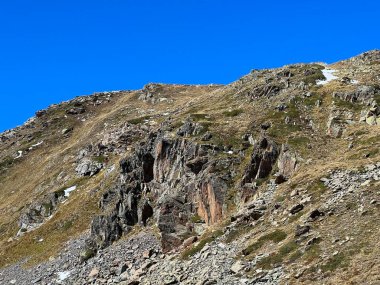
(37, 144)
(63, 275)
(69, 190)
(329, 74)
(19, 154)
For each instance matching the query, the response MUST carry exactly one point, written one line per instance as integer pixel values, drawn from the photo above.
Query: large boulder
(35, 214)
(338, 121)
(88, 167)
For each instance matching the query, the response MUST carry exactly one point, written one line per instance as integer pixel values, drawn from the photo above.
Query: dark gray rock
(76, 111)
(186, 129)
(301, 230)
(39, 211)
(315, 214)
(264, 155)
(295, 209)
(197, 186)
(41, 113)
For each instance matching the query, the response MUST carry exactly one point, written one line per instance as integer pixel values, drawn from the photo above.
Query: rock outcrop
(171, 180)
(287, 164)
(35, 214)
(362, 95)
(338, 121)
(265, 154)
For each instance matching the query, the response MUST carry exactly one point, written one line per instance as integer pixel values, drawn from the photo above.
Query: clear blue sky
(54, 50)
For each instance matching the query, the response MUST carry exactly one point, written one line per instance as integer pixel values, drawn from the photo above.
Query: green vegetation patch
(139, 120)
(342, 104)
(67, 225)
(313, 252)
(279, 257)
(6, 163)
(205, 127)
(366, 152)
(282, 130)
(311, 101)
(237, 232)
(275, 236)
(100, 159)
(48, 207)
(314, 73)
(210, 237)
(196, 219)
(233, 113)
(298, 141)
(316, 189)
(335, 262)
(279, 128)
(87, 254)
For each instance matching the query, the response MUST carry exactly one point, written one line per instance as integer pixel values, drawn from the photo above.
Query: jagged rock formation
(263, 157)
(180, 182)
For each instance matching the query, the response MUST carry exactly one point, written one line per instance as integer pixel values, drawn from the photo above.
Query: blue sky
(52, 51)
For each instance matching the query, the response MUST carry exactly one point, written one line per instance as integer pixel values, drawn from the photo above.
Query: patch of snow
(69, 190)
(19, 154)
(329, 74)
(63, 275)
(35, 145)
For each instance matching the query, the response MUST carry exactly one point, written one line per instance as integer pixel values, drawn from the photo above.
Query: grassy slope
(228, 114)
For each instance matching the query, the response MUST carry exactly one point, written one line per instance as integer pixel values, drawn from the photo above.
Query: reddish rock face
(210, 202)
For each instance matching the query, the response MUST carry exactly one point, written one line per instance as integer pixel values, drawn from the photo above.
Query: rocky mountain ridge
(272, 179)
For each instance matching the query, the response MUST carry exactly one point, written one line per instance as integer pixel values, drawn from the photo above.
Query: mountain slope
(272, 179)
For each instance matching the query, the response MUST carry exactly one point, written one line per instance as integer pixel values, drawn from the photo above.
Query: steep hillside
(272, 179)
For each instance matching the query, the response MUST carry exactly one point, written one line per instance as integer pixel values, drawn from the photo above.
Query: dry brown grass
(216, 106)
(36, 175)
